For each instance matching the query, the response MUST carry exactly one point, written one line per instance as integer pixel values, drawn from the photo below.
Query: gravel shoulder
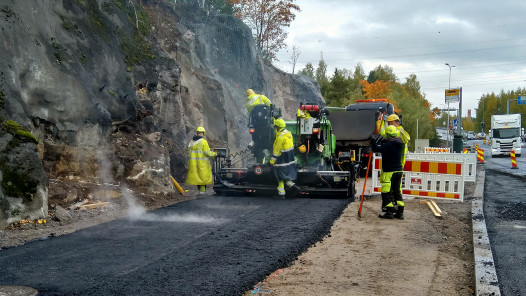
(421, 255)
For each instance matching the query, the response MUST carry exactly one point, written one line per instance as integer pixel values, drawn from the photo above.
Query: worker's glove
(214, 154)
(272, 161)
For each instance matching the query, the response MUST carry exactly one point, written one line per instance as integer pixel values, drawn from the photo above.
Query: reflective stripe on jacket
(199, 168)
(256, 99)
(283, 155)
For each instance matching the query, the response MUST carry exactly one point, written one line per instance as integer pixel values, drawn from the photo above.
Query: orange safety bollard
(480, 155)
(513, 159)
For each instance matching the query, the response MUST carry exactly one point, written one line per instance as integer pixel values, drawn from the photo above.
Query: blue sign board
(521, 100)
(455, 121)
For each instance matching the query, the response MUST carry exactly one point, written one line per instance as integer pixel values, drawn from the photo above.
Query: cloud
(483, 40)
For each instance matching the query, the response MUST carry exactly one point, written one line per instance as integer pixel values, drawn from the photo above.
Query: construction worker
(199, 168)
(391, 149)
(283, 159)
(394, 120)
(254, 99)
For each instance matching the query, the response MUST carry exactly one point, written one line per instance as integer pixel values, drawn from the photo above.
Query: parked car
(480, 135)
(471, 135)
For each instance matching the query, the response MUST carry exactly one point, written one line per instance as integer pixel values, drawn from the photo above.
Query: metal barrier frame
(432, 175)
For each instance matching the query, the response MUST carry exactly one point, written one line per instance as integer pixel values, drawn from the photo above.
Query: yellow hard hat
(279, 123)
(302, 149)
(200, 129)
(250, 92)
(393, 117)
(392, 131)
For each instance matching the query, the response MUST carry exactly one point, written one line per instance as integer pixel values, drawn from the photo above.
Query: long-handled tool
(376, 132)
(177, 186)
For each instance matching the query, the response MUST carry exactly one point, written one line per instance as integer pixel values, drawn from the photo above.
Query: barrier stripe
(425, 193)
(431, 167)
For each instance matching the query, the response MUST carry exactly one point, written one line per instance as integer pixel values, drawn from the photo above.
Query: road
(216, 245)
(505, 213)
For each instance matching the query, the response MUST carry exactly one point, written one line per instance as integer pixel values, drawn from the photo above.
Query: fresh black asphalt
(216, 245)
(505, 212)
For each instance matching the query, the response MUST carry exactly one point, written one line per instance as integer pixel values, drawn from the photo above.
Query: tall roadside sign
(453, 95)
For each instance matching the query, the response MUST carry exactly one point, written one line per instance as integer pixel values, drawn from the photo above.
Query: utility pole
(448, 87)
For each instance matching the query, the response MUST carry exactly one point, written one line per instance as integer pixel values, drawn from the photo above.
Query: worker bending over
(282, 159)
(391, 149)
(199, 168)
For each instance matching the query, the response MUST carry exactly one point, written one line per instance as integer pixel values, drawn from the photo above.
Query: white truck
(506, 134)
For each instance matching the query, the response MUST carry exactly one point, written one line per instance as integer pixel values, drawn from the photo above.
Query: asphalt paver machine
(323, 170)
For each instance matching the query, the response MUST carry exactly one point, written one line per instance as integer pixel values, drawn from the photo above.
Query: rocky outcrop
(113, 91)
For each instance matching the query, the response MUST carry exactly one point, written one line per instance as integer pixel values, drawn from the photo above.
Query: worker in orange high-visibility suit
(199, 168)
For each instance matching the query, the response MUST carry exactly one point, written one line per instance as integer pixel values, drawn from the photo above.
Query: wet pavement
(216, 245)
(505, 212)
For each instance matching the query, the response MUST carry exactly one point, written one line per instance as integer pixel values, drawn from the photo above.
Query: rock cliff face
(113, 91)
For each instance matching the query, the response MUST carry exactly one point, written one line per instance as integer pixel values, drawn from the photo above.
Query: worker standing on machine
(391, 149)
(254, 99)
(282, 159)
(199, 168)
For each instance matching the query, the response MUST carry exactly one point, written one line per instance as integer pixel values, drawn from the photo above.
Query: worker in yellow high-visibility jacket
(254, 99)
(394, 120)
(199, 168)
(283, 159)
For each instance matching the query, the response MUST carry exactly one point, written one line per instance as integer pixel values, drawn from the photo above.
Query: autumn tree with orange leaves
(267, 19)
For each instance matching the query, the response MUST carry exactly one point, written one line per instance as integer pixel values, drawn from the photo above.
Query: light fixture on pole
(448, 87)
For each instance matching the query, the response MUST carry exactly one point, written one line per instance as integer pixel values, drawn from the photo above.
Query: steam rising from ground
(137, 212)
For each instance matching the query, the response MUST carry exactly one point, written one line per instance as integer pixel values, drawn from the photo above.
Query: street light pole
(448, 87)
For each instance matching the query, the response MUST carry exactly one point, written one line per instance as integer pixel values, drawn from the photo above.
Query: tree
(321, 76)
(294, 58)
(384, 73)
(376, 90)
(339, 89)
(267, 19)
(308, 70)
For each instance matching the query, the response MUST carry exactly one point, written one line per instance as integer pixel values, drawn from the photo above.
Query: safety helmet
(200, 129)
(393, 117)
(302, 149)
(392, 131)
(279, 123)
(250, 92)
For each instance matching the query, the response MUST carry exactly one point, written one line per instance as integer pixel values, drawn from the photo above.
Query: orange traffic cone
(513, 159)
(480, 155)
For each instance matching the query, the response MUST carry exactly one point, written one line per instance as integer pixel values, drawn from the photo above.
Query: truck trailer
(354, 124)
(506, 134)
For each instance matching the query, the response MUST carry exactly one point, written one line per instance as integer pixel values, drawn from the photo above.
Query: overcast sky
(484, 40)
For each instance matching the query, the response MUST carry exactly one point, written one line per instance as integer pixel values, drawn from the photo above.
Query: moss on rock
(18, 131)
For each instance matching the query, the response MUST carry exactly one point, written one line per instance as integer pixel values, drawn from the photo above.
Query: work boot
(399, 213)
(388, 214)
(295, 190)
(279, 196)
(386, 199)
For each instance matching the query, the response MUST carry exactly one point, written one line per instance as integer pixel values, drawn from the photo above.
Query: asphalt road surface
(216, 245)
(505, 213)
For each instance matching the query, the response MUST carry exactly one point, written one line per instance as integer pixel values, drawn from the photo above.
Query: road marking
(519, 226)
